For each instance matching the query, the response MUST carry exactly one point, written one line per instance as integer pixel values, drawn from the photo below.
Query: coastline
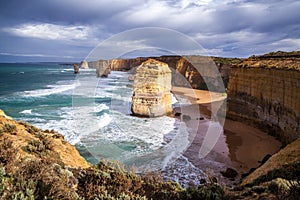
(240, 146)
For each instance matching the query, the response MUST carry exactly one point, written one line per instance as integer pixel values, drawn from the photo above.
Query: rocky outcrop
(184, 73)
(152, 85)
(76, 68)
(84, 65)
(32, 143)
(101, 66)
(265, 91)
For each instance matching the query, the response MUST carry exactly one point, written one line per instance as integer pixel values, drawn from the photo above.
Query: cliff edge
(265, 91)
(30, 142)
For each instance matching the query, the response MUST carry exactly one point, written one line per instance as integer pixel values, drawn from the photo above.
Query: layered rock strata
(185, 73)
(152, 85)
(265, 91)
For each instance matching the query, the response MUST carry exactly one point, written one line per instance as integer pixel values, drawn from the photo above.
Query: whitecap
(101, 107)
(104, 120)
(52, 89)
(26, 111)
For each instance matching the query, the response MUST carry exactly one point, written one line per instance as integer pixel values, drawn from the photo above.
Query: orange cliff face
(25, 142)
(184, 73)
(152, 85)
(266, 91)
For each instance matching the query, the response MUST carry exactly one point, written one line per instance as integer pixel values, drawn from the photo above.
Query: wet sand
(239, 146)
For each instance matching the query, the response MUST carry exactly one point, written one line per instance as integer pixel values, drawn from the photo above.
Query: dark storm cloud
(74, 27)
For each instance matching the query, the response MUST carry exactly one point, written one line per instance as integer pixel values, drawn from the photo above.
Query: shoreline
(240, 146)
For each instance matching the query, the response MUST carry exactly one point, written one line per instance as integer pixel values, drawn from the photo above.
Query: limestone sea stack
(76, 68)
(152, 85)
(84, 65)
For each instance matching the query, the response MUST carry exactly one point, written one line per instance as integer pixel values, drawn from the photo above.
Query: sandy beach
(239, 146)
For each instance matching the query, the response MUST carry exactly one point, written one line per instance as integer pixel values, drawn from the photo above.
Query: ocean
(92, 113)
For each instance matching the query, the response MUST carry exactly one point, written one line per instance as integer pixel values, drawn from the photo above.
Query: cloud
(51, 31)
(224, 28)
(34, 55)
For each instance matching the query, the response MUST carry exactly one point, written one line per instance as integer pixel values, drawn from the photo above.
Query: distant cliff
(265, 90)
(183, 67)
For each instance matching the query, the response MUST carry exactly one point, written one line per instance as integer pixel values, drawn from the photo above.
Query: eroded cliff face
(31, 143)
(152, 85)
(265, 91)
(102, 67)
(186, 69)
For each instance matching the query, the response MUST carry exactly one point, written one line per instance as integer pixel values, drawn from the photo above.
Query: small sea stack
(84, 64)
(152, 85)
(76, 68)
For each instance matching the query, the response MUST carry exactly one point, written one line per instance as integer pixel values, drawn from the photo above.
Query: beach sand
(238, 146)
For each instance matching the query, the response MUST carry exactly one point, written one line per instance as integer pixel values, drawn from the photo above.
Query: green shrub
(40, 146)
(9, 128)
(3, 183)
(35, 146)
(7, 152)
(30, 128)
(285, 189)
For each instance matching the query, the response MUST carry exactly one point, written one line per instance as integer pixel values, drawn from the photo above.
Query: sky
(68, 30)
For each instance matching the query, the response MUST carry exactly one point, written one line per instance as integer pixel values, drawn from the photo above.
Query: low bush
(9, 128)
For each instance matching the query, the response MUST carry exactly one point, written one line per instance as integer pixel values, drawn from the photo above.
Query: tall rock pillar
(152, 85)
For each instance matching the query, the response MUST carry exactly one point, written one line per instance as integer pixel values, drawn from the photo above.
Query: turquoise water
(30, 90)
(92, 113)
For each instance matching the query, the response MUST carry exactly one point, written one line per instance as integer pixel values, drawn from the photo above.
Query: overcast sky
(67, 30)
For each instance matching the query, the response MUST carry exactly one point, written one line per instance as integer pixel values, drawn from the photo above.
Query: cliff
(265, 91)
(151, 93)
(184, 72)
(33, 143)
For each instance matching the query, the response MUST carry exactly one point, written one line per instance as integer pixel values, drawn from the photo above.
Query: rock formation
(101, 66)
(266, 91)
(152, 85)
(84, 65)
(32, 142)
(76, 68)
(184, 69)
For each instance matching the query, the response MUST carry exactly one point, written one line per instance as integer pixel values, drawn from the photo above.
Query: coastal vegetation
(31, 167)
